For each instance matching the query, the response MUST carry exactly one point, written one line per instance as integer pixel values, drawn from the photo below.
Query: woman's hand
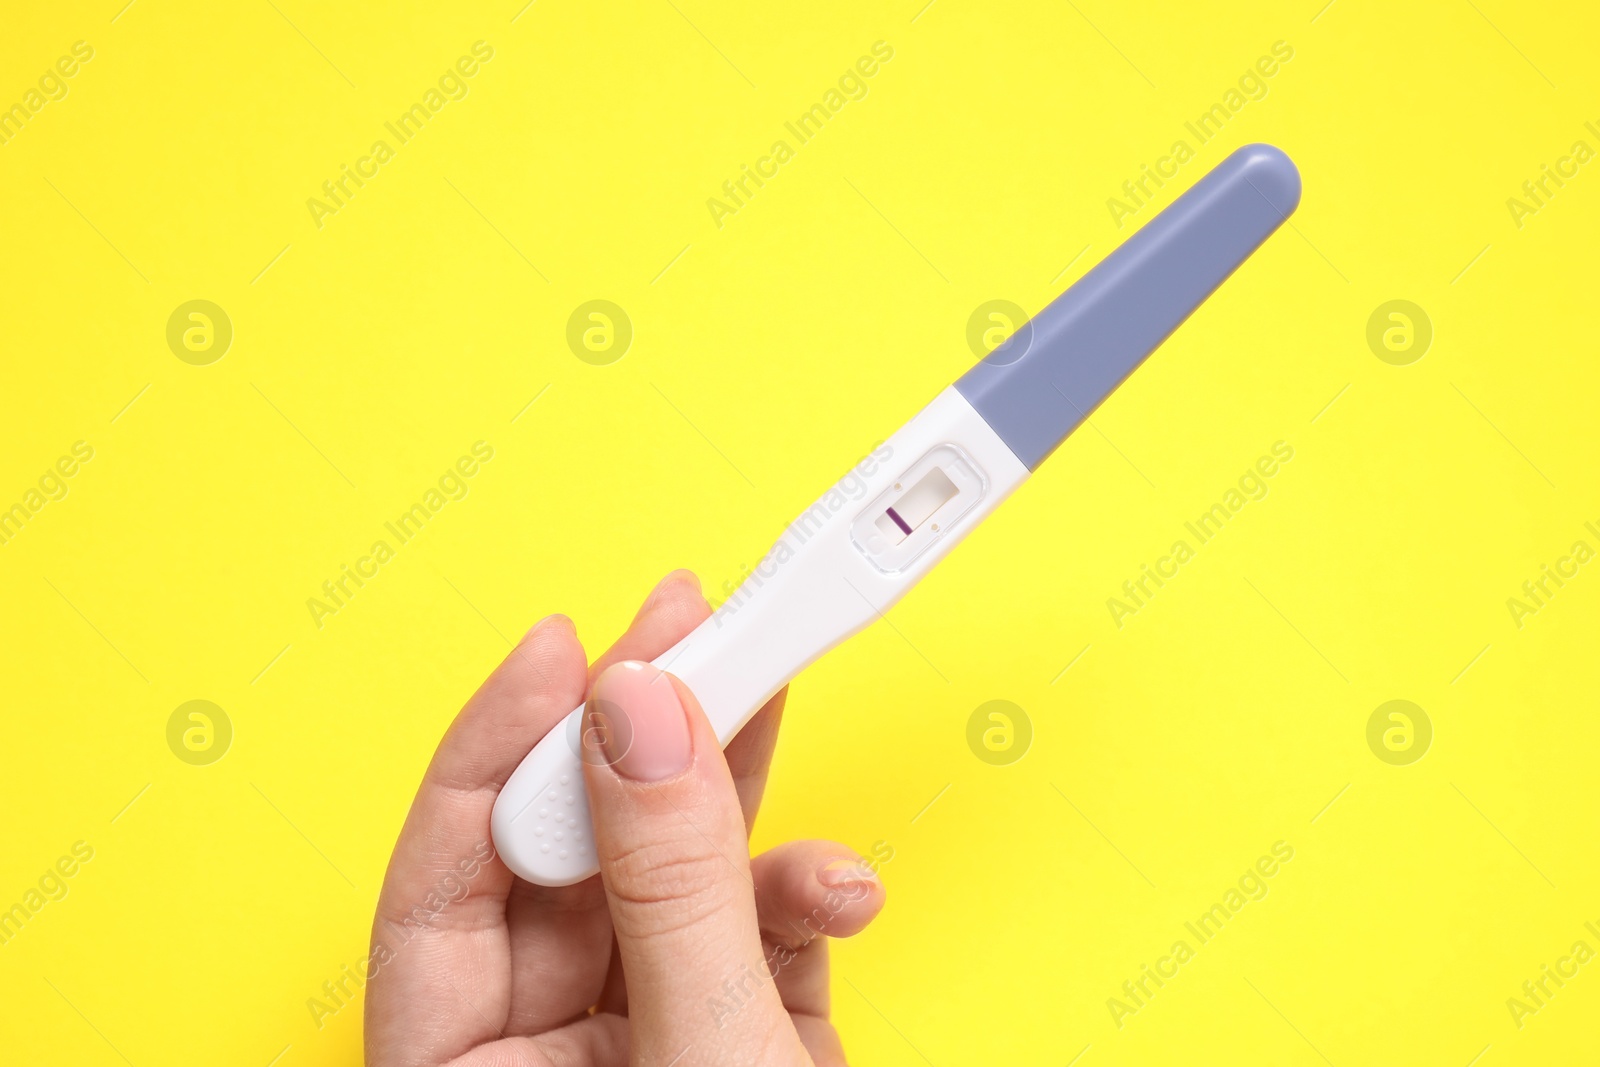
(683, 951)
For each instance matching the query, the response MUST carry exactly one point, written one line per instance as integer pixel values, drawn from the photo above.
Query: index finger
(531, 691)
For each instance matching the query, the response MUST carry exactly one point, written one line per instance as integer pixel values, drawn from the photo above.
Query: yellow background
(768, 356)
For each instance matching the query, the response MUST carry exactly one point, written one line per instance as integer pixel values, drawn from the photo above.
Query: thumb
(670, 837)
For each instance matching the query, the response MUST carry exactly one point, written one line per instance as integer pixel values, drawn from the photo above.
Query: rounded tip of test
(1273, 174)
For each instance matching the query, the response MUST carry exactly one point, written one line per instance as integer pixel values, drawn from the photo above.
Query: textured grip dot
(541, 820)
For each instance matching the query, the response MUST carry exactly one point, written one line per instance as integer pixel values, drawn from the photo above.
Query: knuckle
(665, 887)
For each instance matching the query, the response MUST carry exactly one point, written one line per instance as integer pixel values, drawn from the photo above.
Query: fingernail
(643, 732)
(847, 872)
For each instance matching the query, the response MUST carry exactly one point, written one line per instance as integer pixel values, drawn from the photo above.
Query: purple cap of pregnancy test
(1038, 386)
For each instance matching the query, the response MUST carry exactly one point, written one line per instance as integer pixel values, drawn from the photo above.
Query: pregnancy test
(840, 566)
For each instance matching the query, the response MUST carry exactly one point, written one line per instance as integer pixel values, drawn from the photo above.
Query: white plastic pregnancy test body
(853, 554)
(813, 590)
